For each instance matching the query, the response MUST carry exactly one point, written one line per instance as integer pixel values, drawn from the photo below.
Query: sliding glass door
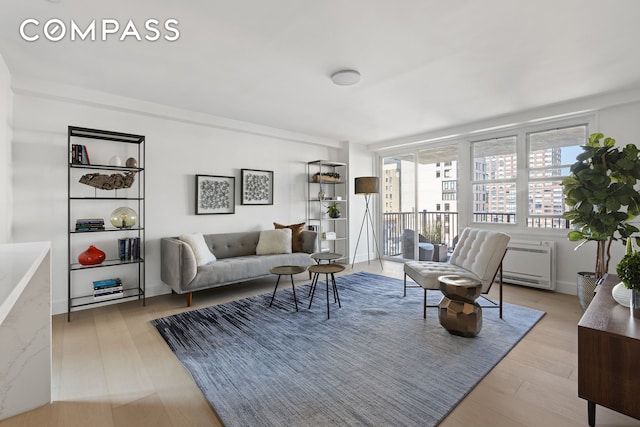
(398, 205)
(420, 204)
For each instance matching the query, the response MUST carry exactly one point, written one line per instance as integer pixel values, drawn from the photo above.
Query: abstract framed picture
(215, 194)
(257, 187)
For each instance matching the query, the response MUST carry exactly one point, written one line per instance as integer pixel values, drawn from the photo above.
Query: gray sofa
(236, 261)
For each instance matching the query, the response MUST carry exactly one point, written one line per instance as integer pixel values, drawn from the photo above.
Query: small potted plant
(334, 210)
(628, 270)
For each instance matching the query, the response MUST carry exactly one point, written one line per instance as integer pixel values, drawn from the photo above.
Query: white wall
(6, 118)
(361, 163)
(179, 145)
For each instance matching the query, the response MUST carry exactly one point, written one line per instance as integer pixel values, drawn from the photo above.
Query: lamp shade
(123, 217)
(367, 185)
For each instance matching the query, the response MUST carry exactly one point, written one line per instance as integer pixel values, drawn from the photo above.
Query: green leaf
(575, 236)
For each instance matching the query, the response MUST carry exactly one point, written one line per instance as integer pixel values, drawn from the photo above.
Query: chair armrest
(177, 263)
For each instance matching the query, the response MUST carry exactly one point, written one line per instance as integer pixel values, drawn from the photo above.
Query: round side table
(286, 270)
(459, 313)
(327, 270)
(325, 256)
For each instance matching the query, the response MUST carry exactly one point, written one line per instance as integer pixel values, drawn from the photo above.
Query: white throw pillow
(200, 248)
(274, 242)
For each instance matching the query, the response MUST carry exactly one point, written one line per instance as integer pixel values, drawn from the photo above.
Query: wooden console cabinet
(609, 355)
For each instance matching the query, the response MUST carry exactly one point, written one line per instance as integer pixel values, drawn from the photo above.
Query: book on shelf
(108, 290)
(79, 154)
(97, 284)
(89, 224)
(129, 248)
(104, 297)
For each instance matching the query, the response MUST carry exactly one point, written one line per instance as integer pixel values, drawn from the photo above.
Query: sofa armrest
(309, 241)
(177, 263)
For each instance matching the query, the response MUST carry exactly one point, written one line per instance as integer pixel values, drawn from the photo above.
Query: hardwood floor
(111, 368)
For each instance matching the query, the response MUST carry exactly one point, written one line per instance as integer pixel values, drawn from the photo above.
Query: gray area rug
(376, 362)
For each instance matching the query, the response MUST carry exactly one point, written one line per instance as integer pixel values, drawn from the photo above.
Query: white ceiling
(425, 64)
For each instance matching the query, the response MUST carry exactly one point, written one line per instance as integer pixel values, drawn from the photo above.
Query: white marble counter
(25, 327)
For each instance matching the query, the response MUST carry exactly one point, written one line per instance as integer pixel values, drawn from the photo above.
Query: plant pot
(586, 282)
(621, 294)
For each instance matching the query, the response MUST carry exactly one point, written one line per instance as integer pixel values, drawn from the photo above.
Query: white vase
(621, 294)
(115, 161)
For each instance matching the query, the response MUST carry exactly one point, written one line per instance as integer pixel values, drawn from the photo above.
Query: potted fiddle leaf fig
(602, 198)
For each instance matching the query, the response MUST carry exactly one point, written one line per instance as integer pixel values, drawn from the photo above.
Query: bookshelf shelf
(89, 207)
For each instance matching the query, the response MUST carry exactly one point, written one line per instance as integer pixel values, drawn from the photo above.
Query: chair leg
(500, 291)
(405, 285)
(424, 312)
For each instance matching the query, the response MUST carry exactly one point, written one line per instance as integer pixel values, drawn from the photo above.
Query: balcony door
(420, 204)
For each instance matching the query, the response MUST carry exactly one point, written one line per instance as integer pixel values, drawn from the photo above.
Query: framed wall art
(215, 194)
(257, 187)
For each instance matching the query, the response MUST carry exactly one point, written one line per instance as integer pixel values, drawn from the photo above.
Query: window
(449, 190)
(494, 186)
(551, 153)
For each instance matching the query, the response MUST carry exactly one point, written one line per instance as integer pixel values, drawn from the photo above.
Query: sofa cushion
(199, 247)
(274, 242)
(228, 245)
(296, 235)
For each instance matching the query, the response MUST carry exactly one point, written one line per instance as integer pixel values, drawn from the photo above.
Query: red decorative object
(91, 256)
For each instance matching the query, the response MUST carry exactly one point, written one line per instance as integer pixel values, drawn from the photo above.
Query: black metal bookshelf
(101, 202)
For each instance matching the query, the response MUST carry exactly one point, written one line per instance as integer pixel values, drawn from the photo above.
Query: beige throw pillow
(199, 247)
(274, 242)
(296, 235)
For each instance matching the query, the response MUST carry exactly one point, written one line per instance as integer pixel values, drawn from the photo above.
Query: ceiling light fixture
(345, 77)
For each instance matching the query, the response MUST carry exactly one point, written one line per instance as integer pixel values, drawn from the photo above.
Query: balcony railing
(427, 223)
(447, 222)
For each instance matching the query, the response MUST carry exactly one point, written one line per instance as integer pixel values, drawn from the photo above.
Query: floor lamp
(367, 185)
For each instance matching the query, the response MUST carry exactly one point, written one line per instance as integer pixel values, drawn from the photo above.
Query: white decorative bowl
(621, 294)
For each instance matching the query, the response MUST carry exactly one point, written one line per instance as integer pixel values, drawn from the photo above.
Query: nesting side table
(286, 270)
(327, 270)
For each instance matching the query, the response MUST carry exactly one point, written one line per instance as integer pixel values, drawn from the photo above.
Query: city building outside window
(551, 154)
(491, 178)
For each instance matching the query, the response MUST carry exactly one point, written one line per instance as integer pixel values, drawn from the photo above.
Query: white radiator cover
(530, 263)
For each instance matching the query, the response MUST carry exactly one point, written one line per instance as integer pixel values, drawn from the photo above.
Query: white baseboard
(569, 288)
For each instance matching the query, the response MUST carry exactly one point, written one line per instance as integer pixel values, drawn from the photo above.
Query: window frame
(509, 181)
(522, 180)
(530, 218)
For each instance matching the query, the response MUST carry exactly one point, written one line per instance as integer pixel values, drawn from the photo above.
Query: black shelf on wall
(90, 151)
